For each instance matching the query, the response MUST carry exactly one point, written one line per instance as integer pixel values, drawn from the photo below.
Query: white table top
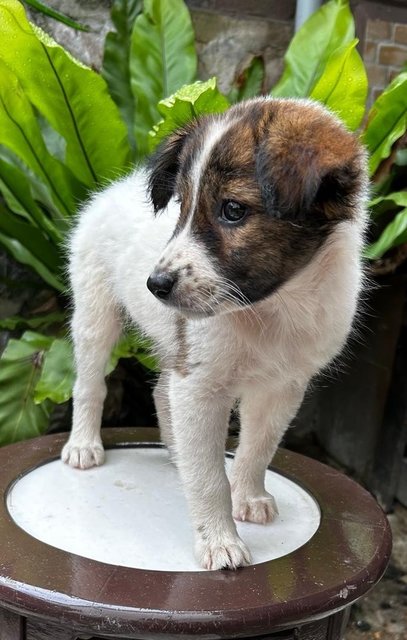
(132, 512)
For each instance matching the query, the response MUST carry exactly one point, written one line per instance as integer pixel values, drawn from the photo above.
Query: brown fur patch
(311, 162)
(181, 360)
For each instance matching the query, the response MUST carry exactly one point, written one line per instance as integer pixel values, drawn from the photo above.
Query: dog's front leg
(264, 417)
(200, 419)
(95, 329)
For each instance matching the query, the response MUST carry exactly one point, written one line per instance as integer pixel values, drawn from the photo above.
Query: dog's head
(261, 188)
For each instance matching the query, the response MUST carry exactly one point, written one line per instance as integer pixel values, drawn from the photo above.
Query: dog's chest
(234, 358)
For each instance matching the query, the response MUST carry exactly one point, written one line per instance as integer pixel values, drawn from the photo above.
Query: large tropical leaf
(163, 58)
(116, 60)
(71, 97)
(20, 367)
(20, 132)
(329, 28)
(343, 85)
(387, 121)
(189, 102)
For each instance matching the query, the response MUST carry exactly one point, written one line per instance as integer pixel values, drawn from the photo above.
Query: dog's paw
(260, 510)
(83, 456)
(228, 554)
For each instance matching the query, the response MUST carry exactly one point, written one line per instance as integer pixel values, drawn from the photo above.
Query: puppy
(247, 285)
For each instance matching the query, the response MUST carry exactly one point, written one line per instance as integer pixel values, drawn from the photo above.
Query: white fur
(263, 355)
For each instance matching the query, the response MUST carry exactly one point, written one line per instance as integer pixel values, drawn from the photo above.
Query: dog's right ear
(163, 167)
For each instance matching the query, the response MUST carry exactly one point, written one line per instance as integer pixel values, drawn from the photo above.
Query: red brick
(392, 55)
(369, 53)
(378, 30)
(400, 33)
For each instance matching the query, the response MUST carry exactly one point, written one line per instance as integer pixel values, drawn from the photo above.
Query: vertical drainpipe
(303, 11)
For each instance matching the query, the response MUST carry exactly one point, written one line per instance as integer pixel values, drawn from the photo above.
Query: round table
(126, 567)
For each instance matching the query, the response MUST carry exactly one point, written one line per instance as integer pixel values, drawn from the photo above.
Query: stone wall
(227, 38)
(227, 43)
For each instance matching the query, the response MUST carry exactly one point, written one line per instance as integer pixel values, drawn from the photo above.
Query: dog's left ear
(309, 183)
(163, 167)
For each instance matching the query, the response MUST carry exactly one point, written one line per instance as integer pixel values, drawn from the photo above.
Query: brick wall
(384, 52)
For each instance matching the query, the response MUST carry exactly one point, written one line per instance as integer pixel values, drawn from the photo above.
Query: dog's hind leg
(264, 417)
(162, 407)
(95, 329)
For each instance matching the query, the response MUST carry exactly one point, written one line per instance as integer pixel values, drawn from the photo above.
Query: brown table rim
(340, 563)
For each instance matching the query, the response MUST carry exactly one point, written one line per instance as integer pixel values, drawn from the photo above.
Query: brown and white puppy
(255, 267)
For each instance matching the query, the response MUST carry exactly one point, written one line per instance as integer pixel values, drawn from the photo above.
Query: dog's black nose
(161, 284)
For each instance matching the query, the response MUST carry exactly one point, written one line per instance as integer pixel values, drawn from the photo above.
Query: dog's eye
(233, 211)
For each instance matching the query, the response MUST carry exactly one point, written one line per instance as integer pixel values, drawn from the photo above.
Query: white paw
(259, 510)
(83, 456)
(223, 554)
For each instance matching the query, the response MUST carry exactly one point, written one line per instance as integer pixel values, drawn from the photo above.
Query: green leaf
(20, 132)
(20, 368)
(58, 374)
(38, 322)
(249, 83)
(116, 61)
(398, 198)
(343, 85)
(393, 235)
(21, 188)
(329, 28)
(132, 345)
(21, 254)
(53, 141)
(189, 102)
(15, 186)
(387, 121)
(31, 237)
(56, 15)
(29, 196)
(163, 58)
(147, 360)
(71, 97)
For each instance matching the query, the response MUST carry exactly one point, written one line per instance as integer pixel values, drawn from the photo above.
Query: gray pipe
(304, 9)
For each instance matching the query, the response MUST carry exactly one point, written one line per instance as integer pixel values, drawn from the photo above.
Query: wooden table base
(16, 627)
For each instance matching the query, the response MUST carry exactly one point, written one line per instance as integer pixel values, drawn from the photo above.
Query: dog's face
(261, 187)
